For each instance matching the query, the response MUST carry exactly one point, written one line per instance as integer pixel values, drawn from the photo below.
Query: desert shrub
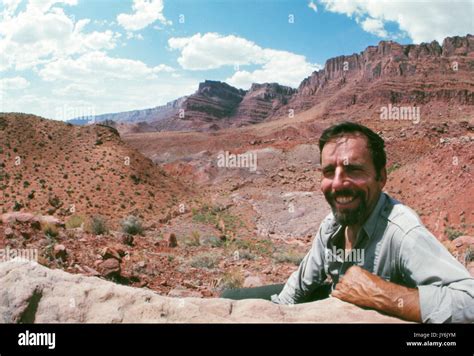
(244, 255)
(132, 225)
(258, 247)
(212, 241)
(17, 206)
(469, 256)
(205, 260)
(231, 280)
(193, 240)
(393, 167)
(135, 179)
(74, 221)
(50, 230)
(452, 233)
(293, 257)
(215, 215)
(97, 225)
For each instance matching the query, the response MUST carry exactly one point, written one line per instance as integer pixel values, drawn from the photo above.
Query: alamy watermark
(402, 113)
(18, 255)
(356, 255)
(67, 112)
(242, 160)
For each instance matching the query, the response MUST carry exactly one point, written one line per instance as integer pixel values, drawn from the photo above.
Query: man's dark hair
(376, 144)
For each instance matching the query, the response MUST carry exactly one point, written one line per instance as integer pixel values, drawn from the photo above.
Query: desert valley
(151, 198)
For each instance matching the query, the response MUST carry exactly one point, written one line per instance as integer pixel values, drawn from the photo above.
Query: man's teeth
(344, 200)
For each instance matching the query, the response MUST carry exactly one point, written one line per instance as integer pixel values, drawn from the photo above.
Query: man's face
(349, 178)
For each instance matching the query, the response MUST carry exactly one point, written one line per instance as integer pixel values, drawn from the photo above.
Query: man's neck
(350, 234)
(351, 231)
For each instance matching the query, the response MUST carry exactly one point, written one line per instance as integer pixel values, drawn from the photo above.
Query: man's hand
(358, 287)
(365, 289)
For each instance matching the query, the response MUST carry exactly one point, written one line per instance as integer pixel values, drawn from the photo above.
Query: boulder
(109, 268)
(33, 293)
(60, 251)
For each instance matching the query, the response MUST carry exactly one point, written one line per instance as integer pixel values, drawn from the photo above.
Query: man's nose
(340, 179)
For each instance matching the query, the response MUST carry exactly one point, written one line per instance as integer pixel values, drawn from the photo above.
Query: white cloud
(78, 91)
(423, 21)
(313, 6)
(133, 35)
(72, 69)
(14, 83)
(95, 67)
(43, 32)
(375, 27)
(145, 13)
(283, 67)
(45, 5)
(212, 50)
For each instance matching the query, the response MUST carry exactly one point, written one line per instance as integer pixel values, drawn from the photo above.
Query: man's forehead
(352, 145)
(347, 140)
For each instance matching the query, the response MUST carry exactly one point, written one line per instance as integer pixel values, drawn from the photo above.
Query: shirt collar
(371, 222)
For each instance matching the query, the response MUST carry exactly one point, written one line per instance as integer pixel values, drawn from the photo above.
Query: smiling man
(403, 270)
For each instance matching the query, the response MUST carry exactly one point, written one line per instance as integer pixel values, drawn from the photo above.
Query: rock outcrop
(261, 102)
(32, 293)
(393, 73)
(209, 105)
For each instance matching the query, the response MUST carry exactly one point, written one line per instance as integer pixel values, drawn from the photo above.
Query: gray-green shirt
(395, 245)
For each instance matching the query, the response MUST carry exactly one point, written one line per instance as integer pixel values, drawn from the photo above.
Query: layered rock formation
(393, 73)
(347, 85)
(32, 293)
(261, 102)
(212, 102)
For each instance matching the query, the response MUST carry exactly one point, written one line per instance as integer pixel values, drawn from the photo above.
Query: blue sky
(69, 58)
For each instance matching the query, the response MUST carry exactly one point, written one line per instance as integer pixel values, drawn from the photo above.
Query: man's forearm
(365, 289)
(396, 300)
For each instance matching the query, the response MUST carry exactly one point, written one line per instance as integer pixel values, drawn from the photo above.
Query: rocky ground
(249, 228)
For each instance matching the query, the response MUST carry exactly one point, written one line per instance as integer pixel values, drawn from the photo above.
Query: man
(401, 268)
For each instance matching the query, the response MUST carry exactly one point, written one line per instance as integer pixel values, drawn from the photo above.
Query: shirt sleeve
(445, 287)
(309, 275)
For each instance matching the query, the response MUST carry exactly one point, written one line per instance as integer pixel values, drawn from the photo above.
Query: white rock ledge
(33, 293)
